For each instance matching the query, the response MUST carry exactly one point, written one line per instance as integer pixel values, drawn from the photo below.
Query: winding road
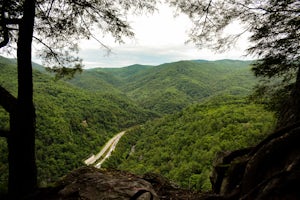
(105, 152)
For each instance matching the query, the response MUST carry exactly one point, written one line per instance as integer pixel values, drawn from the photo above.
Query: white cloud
(159, 38)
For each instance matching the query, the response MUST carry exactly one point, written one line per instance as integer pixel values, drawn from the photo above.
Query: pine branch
(52, 52)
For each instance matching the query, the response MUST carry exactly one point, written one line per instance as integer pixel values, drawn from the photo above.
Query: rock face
(271, 170)
(89, 183)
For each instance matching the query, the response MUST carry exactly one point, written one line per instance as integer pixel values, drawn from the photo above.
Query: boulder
(89, 183)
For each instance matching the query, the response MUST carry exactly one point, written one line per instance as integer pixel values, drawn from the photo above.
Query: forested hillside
(76, 117)
(168, 88)
(71, 122)
(183, 146)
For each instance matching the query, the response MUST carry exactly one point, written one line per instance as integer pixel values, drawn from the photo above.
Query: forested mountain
(76, 117)
(71, 122)
(168, 88)
(107, 79)
(182, 146)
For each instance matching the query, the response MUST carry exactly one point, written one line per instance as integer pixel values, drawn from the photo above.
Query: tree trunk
(290, 113)
(21, 142)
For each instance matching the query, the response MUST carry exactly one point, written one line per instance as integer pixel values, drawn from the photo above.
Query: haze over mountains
(172, 86)
(76, 117)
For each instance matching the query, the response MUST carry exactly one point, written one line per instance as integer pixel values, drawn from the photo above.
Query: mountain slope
(182, 146)
(170, 87)
(80, 115)
(71, 122)
(107, 79)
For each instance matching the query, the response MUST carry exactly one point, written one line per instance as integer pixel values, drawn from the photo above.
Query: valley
(105, 152)
(178, 116)
(183, 146)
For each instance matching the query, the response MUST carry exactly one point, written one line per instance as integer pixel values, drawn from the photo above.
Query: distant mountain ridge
(170, 87)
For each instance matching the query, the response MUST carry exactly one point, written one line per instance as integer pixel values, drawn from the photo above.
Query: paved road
(105, 151)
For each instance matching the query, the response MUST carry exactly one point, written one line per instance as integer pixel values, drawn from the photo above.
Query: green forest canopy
(168, 88)
(76, 118)
(183, 146)
(71, 122)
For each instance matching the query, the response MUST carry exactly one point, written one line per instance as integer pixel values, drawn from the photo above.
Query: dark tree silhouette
(58, 26)
(274, 27)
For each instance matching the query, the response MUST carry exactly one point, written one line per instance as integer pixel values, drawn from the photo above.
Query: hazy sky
(159, 38)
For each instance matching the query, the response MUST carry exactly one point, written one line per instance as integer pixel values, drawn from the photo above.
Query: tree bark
(290, 113)
(7, 101)
(21, 142)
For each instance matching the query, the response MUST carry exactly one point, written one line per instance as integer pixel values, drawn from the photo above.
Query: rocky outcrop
(89, 183)
(271, 170)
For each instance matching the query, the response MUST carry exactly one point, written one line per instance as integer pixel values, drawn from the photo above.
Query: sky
(159, 38)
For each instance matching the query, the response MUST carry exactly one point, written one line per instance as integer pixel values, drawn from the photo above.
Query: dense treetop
(72, 123)
(182, 146)
(170, 87)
